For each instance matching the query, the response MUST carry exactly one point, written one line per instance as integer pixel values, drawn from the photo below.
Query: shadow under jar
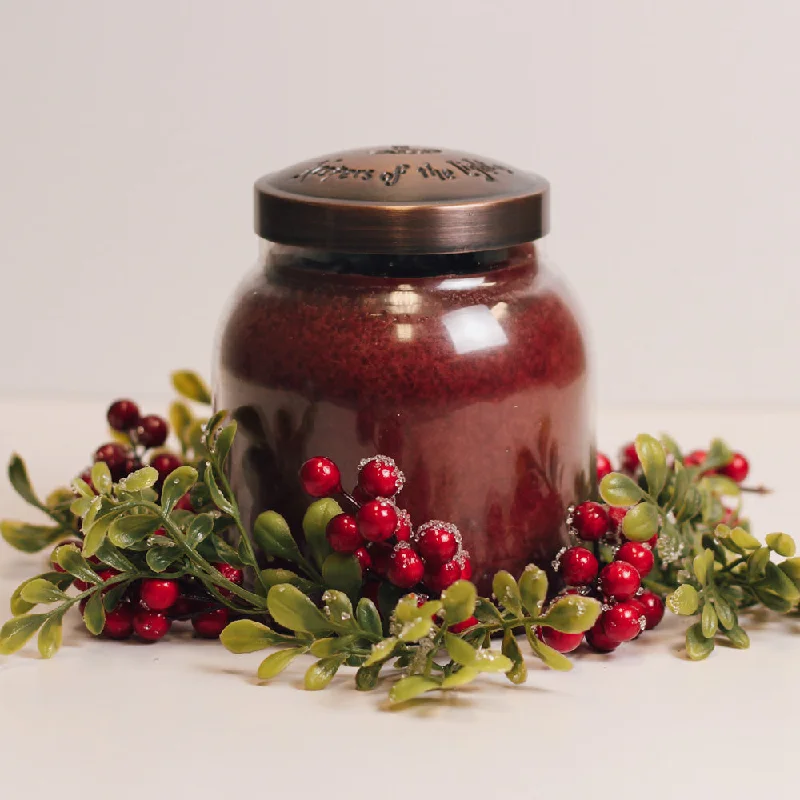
(468, 368)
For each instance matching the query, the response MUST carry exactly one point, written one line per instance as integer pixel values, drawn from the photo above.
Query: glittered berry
(738, 468)
(653, 608)
(629, 458)
(210, 624)
(466, 624)
(578, 566)
(603, 466)
(364, 559)
(405, 567)
(403, 530)
(637, 555)
(119, 622)
(150, 625)
(615, 516)
(381, 555)
(159, 594)
(320, 477)
(590, 521)
(114, 455)
(164, 463)
(439, 578)
(377, 520)
(466, 566)
(563, 642)
(621, 622)
(123, 415)
(342, 534)
(151, 431)
(598, 639)
(695, 458)
(619, 580)
(380, 477)
(437, 542)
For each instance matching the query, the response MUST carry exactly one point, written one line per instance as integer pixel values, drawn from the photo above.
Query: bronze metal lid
(401, 200)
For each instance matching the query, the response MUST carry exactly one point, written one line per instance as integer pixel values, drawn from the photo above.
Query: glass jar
(468, 368)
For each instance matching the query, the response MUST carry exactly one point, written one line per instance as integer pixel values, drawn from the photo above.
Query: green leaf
(200, 528)
(725, 612)
(458, 601)
(273, 577)
(142, 478)
(416, 629)
(128, 531)
(533, 589)
(698, 646)
(73, 562)
(708, 621)
(180, 418)
(460, 651)
(519, 672)
(95, 534)
(671, 446)
(719, 455)
(217, 497)
(276, 663)
(617, 489)
(94, 615)
(781, 543)
(292, 609)
(368, 617)
(367, 677)
(40, 590)
(17, 631)
(50, 636)
(757, 564)
(113, 597)
(176, 484)
(83, 489)
(738, 638)
(552, 658)
(640, 524)
(191, 386)
(464, 676)
(491, 661)
(248, 636)
(486, 611)
(18, 476)
(332, 645)
(223, 442)
(654, 462)
(224, 551)
(791, 568)
(703, 566)
(315, 521)
(741, 538)
(680, 486)
(572, 613)
(112, 557)
(722, 485)
(101, 477)
(339, 610)
(29, 538)
(81, 506)
(319, 675)
(684, 601)
(507, 592)
(342, 571)
(411, 687)
(161, 558)
(381, 651)
(272, 534)
(776, 582)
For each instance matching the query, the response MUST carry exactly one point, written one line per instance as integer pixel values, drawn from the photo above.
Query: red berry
(106, 573)
(119, 622)
(151, 431)
(233, 574)
(150, 625)
(377, 520)
(320, 477)
(403, 530)
(637, 555)
(370, 590)
(590, 521)
(652, 542)
(115, 456)
(381, 555)
(619, 581)
(465, 624)
(738, 468)
(695, 458)
(466, 566)
(629, 458)
(439, 578)
(603, 466)
(578, 566)
(360, 496)
(210, 624)
(437, 542)
(653, 608)
(164, 463)
(615, 517)
(621, 622)
(364, 559)
(598, 639)
(563, 642)
(405, 567)
(185, 503)
(132, 463)
(159, 594)
(123, 415)
(380, 477)
(342, 534)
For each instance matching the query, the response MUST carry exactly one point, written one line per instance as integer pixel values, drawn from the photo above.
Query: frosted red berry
(320, 477)
(562, 642)
(738, 468)
(603, 466)
(466, 567)
(377, 520)
(621, 622)
(150, 625)
(380, 477)
(151, 431)
(695, 458)
(599, 640)
(619, 580)
(403, 530)
(653, 608)
(590, 521)
(439, 578)
(466, 624)
(164, 463)
(437, 542)
(578, 566)
(629, 458)
(637, 555)
(114, 455)
(342, 534)
(159, 594)
(364, 559)
(405, 567)
(119, 622)
(122, 415)
(210, 624)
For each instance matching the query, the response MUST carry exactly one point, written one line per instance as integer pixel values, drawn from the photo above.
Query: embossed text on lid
(401, 199)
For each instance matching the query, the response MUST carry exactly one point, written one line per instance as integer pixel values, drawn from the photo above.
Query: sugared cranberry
(185, 503)
(377, 520)
(364, 559)
(615, 516)
(578, 566)
(637, 555)
(599, 640)
(653, 608)
(738, 468)
(381, 555)
(115, 456)
(591, 521)
(603, 466)
(164, 463)
(439, 578)
(695, 458)
(619, 580)
(466, 567)
(621, 622)
(380, 477)
(320, 477)
(405, 568)
(119, 622)
(629, 458)
(563, 642)
(123, 415)
(437, 542)
(342, 534)
(210, 624)
(460, 627)
(159, 594)
(150, 625)
(403, 530)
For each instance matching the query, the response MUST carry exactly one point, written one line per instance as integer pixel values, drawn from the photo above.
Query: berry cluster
(737, 468)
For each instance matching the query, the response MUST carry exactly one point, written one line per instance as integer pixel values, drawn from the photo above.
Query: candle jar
(400, 306)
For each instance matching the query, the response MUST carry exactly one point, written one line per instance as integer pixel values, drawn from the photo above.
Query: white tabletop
(185, 716)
